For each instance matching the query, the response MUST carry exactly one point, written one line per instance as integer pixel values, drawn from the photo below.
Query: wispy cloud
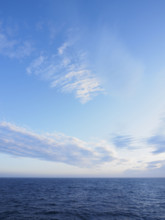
(123, 141)
(156, 164)
(120, 70)
(68, 71)
(158, 141)
(82, 82)
(105, 66)
(141, 156)
(56, 147)
(13, 48)
(11, 45)
(63, 48)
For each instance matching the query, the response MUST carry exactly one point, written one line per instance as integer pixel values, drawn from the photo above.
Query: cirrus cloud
(13, 47)
(67, 70)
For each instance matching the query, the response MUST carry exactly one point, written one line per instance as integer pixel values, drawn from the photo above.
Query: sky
(82, 88)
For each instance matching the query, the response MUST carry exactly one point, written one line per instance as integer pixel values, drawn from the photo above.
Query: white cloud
(85, 84)
(115, 70)
(35, 65)
(67, 70)
(56, 147)
(63, 48)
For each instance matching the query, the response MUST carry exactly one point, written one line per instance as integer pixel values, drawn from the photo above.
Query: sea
(82, 198)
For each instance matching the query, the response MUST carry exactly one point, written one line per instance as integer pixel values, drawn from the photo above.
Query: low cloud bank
(20, 142)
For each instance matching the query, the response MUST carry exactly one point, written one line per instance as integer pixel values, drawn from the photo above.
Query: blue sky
(82, 88)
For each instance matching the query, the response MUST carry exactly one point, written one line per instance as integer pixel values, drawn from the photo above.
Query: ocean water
(86, 199)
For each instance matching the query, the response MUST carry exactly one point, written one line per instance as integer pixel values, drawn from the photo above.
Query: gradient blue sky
(82, 87)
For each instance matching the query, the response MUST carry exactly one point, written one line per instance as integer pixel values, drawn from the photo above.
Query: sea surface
(86, 199)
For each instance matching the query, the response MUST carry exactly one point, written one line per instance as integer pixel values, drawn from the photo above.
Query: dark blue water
(75, 199)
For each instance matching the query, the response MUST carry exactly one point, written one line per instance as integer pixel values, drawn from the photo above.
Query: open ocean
(82, 198)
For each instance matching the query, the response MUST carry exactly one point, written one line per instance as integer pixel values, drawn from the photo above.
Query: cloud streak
(158, 141)
(67, 70)
(123, 141)
(19, 142)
